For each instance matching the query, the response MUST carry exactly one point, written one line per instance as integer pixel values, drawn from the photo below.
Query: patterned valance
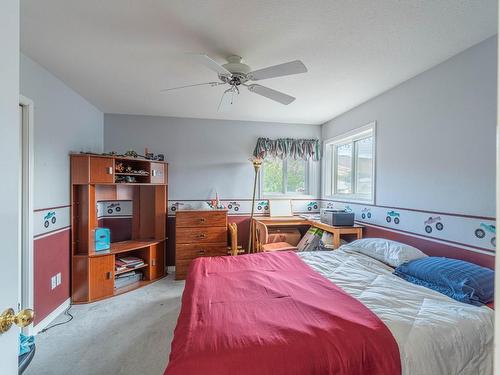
(283, 148)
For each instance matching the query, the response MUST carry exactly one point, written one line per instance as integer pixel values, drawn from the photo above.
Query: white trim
(50, 318)
(328, 177)
(353, 134)
(26, 280)
(43, 235)
(496, 346)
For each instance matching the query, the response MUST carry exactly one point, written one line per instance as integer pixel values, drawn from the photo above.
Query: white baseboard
(49, 318)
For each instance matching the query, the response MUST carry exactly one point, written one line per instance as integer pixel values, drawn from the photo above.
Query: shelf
(141, 182)
(132, 286)
(131, 174)
(117, 157)
(124, 246)
(130, 269)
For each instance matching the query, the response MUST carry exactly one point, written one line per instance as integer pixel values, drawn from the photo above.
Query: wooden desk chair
(234, 249)
(262, 240)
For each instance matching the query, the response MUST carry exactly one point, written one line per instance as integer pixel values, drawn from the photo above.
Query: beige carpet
(126, 335)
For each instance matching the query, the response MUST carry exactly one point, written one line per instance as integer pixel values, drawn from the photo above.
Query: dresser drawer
(201, 235)
(191, 251)
(201, 219)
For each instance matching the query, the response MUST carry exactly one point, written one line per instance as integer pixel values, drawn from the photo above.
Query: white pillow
(389, 252)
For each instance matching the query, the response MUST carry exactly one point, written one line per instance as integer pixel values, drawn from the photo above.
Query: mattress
(435, 334)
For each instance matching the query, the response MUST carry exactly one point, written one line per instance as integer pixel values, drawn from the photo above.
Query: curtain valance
(283, 148)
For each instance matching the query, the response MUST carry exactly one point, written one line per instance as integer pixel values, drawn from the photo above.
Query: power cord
(67, 313)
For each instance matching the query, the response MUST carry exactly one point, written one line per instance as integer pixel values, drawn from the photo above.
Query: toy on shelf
(216, 204)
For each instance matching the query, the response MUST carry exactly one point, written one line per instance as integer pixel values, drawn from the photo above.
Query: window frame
(330, 164)
(284, 193)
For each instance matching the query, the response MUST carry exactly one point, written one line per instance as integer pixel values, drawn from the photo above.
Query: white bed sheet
(435, 334)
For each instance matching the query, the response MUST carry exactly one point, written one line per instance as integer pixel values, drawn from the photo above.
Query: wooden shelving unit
(94, 178)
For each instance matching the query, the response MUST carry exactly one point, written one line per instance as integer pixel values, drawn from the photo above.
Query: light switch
(53, 282)
(58, 279)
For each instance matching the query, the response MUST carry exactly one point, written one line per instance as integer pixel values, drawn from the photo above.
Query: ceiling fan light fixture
(235, 73)
(235, 65)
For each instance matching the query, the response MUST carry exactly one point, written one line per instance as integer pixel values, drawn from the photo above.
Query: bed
(273, 313)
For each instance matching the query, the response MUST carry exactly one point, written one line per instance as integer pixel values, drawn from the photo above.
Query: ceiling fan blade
(210, 63)
(212, 84)
(271, 94)
(292, 67)
(226, 100)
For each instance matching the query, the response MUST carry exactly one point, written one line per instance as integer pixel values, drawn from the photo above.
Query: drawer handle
(109, 170)
(203, 235)
(201, 252)
(108, 275)
(202, 220)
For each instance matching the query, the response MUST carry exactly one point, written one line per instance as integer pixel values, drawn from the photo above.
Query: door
(101, 170)
(157, 173)
(101, 276)
(9, 232)
(157, 260)
(9, 165)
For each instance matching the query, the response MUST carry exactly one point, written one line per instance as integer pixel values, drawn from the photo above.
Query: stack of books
(125, 267)
(128, 263)
(127, 278)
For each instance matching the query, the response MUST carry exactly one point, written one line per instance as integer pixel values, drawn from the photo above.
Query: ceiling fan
(235, 73)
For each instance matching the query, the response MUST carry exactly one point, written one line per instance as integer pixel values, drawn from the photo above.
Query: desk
(296, 221)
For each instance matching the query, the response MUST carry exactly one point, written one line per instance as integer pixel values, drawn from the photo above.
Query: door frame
(26, 259)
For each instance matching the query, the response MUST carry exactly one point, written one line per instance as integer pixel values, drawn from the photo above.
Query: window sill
(349, 199)
(291, 196)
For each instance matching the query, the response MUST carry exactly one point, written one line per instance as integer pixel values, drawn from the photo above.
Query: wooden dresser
(198, 234)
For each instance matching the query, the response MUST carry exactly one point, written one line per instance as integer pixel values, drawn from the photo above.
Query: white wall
(436, 136)
(203, 154)
(63, 122)
(9, 165)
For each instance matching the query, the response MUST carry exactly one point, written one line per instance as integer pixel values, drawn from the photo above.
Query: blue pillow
(460, 280)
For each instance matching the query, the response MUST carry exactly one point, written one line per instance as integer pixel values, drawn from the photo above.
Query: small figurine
(119, 167)
(130, 179)
(131, 153)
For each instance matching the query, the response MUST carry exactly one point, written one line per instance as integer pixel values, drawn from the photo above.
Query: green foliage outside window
(275, 180)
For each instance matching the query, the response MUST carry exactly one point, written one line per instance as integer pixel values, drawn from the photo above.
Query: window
(350, 166)
(285, 177)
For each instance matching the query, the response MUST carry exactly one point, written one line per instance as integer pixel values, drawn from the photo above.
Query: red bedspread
(270, 313)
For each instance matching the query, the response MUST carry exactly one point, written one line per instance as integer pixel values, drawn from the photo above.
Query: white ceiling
(118, 54)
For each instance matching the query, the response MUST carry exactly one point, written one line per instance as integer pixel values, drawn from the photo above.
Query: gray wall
(63, 122)
(204, 155)
(436, 136)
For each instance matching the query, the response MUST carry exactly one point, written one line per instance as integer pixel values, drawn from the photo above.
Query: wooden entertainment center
(94, 179)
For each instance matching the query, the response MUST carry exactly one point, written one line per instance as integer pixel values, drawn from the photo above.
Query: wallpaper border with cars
(471, 232)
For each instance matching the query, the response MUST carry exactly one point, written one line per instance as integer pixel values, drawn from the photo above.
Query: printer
(337, 218)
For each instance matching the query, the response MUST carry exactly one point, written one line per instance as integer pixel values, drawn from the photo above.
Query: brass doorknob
(22, 319)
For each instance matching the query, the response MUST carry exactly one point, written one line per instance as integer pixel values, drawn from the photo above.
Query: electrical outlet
(53, 282)
(58, 278)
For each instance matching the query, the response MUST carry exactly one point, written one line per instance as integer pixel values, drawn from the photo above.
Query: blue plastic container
(102, 239)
